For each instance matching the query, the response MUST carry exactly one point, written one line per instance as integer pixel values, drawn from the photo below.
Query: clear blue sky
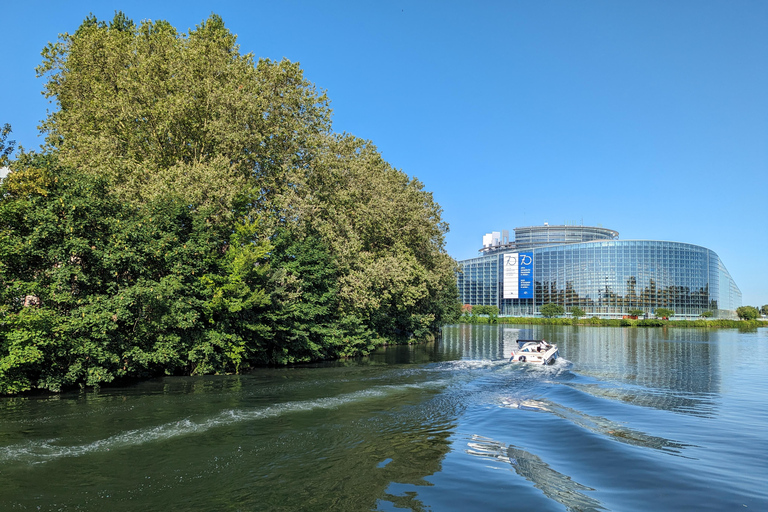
(647, 117)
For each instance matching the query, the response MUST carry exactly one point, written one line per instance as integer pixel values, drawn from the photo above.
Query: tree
(386, 234)
(120, 291)
(664, 313)
(193, 213)
(636, 312)
(187, 117)
(491, 311)
(159, 112)
(707, 314)
(747, 312)
(577, 312)
(550, 310)
(6, 146)
(764, 310)
(304, 317)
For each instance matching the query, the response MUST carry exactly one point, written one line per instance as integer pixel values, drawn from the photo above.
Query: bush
(550, 310)
(651, 322)
(577, 312)
(747, 313)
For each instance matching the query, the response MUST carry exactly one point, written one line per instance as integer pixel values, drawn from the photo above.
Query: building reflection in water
(664, 368)
(555, 485)
(483, 342)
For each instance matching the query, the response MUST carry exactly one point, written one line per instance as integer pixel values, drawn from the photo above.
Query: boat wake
(41, 451)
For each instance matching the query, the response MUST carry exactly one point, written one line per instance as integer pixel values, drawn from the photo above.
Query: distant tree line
(192, 212)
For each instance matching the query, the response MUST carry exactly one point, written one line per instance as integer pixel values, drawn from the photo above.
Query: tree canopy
(550, 310)
(747, 312)
(193, 212)
(160, 112)
(6, 146)
(577, 312)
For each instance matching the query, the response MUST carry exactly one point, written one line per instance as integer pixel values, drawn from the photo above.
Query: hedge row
(624, 322)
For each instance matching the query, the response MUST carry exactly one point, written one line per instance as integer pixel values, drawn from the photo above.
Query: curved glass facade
(608, 278)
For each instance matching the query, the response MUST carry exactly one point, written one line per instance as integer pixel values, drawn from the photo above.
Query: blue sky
(647, 117)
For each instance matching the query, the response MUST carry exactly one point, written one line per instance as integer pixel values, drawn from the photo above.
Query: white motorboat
(535, 352)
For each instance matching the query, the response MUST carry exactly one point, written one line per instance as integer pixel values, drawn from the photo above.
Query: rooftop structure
(541, 236)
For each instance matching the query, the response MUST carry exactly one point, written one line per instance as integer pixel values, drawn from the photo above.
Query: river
(628, 419)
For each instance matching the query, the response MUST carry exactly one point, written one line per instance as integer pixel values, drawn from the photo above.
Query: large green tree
(163, 113)
(194, 213)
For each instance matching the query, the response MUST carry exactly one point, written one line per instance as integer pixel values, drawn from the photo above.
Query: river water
(629, 419)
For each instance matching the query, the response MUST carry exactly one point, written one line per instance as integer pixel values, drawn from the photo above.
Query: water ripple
(40, 451)
(599, 425)
(553, 484)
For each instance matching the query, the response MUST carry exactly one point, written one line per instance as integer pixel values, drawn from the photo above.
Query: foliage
(492, 312)
(121, 291)
(193, 213)
(305, 321)
(636, 312)
(386, 235)
(764, 310)
(651, 322)
(135, 98)
(6, 146)
(664, 313)
(707, 314)
(550, 310)
(480, 314)
(577, 312)
(623, 322)
(486, 310)
(747, 313)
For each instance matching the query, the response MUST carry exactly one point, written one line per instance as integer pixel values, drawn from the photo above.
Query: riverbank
(614, 322)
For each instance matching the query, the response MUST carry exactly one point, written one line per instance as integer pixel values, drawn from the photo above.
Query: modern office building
(591, 268)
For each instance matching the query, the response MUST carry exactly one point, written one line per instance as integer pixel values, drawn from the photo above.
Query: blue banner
(525, 275)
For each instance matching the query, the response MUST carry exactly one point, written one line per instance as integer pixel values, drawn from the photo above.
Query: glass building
(591, 268)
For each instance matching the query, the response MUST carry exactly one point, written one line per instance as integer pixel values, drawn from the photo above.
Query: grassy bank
(604, 322)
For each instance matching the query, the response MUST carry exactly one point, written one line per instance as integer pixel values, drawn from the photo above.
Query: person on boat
(543, 345)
